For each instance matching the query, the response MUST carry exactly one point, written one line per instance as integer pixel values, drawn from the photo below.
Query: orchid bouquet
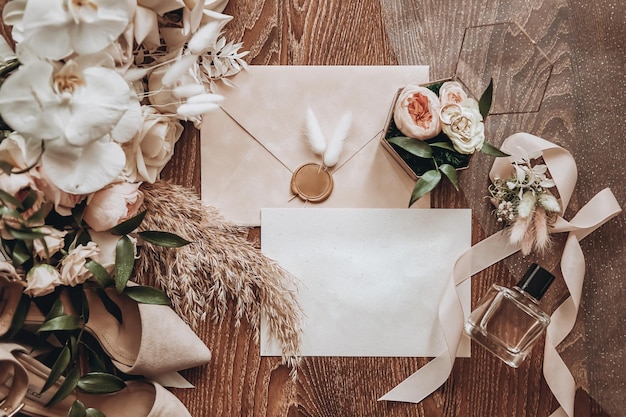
(435, 129)
(93, 97)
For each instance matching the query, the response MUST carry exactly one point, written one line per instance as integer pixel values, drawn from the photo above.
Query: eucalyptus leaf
(165, 239)
(7, 211)
(66, 387)
(77, 410)
(484, 104)
(94, 360)
(147, 295)
(491, 150)
(427, 182)
(99, 273)
(413, 146)
(60, 365)
(65, 322)
(20, 315)
(450, 172)
(124, 262)
(100, 383)
(129, 225)
(29, 201)
(78, 211)
(94, 412)
(443, 145)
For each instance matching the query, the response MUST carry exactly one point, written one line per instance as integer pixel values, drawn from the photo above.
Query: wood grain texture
(581, 111)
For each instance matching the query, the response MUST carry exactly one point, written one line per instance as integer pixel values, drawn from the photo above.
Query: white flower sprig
(524, 203)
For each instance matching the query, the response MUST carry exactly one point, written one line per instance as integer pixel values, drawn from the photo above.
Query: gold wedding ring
(450, 120)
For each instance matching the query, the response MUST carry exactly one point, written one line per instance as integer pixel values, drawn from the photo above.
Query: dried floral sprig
(524, 203)
(221, 268)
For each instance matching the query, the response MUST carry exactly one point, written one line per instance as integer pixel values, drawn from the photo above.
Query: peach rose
(42, 279)
(112, 205)
(73, 271)
(416, 112)
(451, 92)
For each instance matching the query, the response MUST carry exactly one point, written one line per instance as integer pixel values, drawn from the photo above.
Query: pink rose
(55, 240)
(416, 112)
(63, 202)
(42, 279)
(112, 205)
(73, 271)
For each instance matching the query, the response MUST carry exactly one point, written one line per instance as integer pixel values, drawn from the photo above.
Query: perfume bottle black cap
(535, 281)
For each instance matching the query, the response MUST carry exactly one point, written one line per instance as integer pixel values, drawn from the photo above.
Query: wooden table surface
(582, 110)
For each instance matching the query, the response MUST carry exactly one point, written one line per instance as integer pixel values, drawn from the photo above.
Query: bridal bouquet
(93, 95)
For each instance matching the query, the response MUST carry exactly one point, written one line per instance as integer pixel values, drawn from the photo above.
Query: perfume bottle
(508, 321)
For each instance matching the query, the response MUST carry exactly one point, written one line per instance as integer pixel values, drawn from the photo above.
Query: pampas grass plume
(314, 134)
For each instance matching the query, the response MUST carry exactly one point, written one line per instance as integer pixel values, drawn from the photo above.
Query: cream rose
(152, 147)
(112, 205)
(73, 271)
(54, 242)
(63, 202)
(42, 279)
(451, 92)
(416, 112)
(466, 129)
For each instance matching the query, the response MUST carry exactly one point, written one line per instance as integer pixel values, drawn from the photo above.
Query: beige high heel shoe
(22, 377)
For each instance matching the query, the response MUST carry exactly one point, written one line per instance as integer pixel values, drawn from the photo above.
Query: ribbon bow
(602, 207)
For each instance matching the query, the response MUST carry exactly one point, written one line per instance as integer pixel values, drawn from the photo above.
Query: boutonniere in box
(433, 130)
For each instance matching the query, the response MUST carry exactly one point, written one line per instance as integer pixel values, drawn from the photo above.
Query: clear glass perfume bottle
(508, 321)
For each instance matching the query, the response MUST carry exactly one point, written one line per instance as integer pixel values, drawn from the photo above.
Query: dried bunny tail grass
(219, 266)
(542, 234)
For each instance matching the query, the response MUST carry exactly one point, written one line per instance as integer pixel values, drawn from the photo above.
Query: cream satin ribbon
(602, 207)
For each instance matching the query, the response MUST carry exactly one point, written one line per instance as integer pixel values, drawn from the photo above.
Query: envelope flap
(270, 103)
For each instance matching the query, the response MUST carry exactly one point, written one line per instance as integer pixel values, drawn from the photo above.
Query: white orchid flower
(57, 28)
(77, 106)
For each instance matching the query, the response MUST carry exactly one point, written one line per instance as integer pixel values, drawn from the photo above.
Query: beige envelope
(254, 143)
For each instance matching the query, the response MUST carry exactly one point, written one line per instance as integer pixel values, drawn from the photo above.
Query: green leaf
(100, 383)
(29, 200)
(484, 104)
(20, 315)
(9, 199)
(95, 361)
(443, 145)
(147, 295)
(39, 216)
(56, 310)
(99, 273)
(78, 211)
(7, 211)
(129, 225)
(60, 365)
(165, 239)
(414, 146)
(94, 412)
(427, 182)
(491, 150)
(24, 234)
(5, 167)
(65, 322)
(66, 387)
(124, 262)
(450, 172)
(77, 409)
(20, 254)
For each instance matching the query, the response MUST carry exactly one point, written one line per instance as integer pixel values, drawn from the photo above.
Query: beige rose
(112, 205)
(73, 271)
(42, 279)
(152, 148)
(416, 112)
(451, 92)
(54, 242)
(466, 130)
